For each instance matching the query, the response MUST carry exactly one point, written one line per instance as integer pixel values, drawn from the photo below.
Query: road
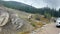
(48, 29)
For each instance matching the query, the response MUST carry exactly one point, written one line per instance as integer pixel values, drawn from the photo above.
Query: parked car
(57, 22)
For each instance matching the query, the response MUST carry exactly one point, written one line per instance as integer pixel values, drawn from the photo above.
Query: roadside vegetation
(38, 20)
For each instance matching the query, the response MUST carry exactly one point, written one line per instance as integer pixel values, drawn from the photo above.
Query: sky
(41, 3)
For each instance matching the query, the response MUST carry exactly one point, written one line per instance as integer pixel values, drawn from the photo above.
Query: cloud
(39, 4)
(53, 3)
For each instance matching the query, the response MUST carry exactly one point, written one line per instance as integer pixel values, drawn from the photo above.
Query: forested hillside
(30, 9)
(19, 6)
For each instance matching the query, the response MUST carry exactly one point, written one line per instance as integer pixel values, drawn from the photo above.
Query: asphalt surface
(48, 29)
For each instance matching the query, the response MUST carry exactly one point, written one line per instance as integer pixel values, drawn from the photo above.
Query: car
(58, 22)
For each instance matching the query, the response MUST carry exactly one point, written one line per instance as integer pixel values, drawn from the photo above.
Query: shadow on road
(58, 26)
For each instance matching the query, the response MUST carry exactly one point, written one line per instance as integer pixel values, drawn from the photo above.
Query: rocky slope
(10, 28)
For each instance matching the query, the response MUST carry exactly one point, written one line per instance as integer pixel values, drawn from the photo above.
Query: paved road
(48, 29)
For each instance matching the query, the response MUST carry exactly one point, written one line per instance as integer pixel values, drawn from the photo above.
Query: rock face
(10, 23)
(4, 16)
(16, 21)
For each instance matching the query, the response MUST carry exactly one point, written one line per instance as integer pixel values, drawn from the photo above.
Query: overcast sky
(41, 3)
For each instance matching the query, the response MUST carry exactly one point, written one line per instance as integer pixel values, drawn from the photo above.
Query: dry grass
(23, 32)
(38, 23)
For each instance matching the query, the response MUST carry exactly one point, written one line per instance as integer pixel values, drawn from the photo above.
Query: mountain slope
(19, 6)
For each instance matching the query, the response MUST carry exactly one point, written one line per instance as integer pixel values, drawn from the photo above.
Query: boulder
(4, 17)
